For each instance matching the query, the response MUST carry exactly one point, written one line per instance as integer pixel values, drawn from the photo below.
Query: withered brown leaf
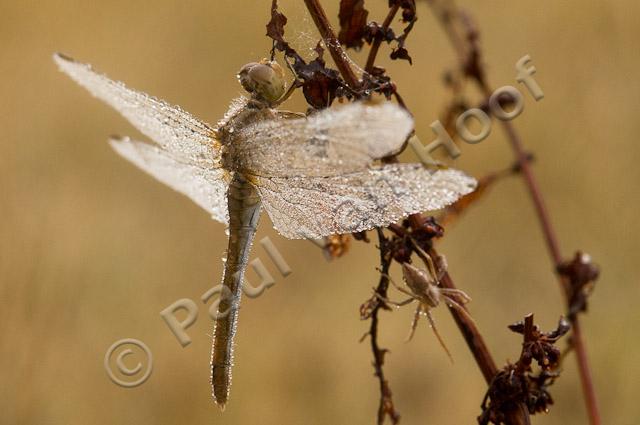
(353, 23)
(275, 27)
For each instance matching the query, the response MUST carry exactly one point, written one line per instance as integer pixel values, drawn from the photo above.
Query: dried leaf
(319, 50)
(275, 27)
(374, 31)
(581, 274)
(514, 385)
(353, 23)
(319, 84)
(401, 53)
(336, 246)
(361, 236)
(408, 9)
(275, 31)
(538, 345)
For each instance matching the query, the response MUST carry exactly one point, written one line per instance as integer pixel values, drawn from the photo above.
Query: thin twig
(467, 326)
(331, 42)
(553, 247)
(449, 17)
(373, 52)
(588, 388)
(532, 186)
(470, 332)
(479, 349)
(385, 407)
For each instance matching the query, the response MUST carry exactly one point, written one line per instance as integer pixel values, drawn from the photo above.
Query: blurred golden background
(92, 249)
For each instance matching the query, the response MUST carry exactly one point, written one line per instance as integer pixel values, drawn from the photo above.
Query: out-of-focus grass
(92, 249)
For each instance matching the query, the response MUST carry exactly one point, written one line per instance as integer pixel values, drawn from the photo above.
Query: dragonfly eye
(265, 80)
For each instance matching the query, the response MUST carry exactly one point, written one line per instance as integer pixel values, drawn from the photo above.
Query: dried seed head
(264, 80)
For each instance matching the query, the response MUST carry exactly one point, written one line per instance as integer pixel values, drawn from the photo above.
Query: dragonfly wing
(313, 207)
(207, 187)
(331, 142)
(175, 130)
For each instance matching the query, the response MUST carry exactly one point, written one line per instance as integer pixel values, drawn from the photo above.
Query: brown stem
(373, 52)
(385, 406)
(470, 332)
(332, 43)
(400, 101)
(459, 30)
(468, 328)
(479, 349)
(533, 188)
(553, 247)
(588, 388)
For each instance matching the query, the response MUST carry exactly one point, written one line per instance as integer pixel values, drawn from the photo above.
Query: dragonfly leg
(297, 82)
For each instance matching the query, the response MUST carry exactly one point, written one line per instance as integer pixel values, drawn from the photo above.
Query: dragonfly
(315, 175)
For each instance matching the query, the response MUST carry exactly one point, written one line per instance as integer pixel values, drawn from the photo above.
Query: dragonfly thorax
(230, 131)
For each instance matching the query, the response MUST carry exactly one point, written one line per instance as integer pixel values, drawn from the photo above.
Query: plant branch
(463, 37)
(518, 416)
(532, 186)
(468, 328)
(370, 310)
(479, 349)
(588, 387)
(375, 46)
(331, 42)
(470, 332)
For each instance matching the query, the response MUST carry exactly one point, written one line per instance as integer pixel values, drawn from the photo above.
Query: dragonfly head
(265, 80)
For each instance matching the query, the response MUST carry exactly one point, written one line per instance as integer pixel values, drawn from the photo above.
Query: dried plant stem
(470, 332)
(532, 186)
(578, 344)
(331, 42)
(385, 407)
(375, 46)
(556, 257)
(478, 348)
(468, 328)
(463, 36)
(585, 372)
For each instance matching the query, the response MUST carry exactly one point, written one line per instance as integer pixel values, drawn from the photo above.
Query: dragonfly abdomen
(244, 212)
